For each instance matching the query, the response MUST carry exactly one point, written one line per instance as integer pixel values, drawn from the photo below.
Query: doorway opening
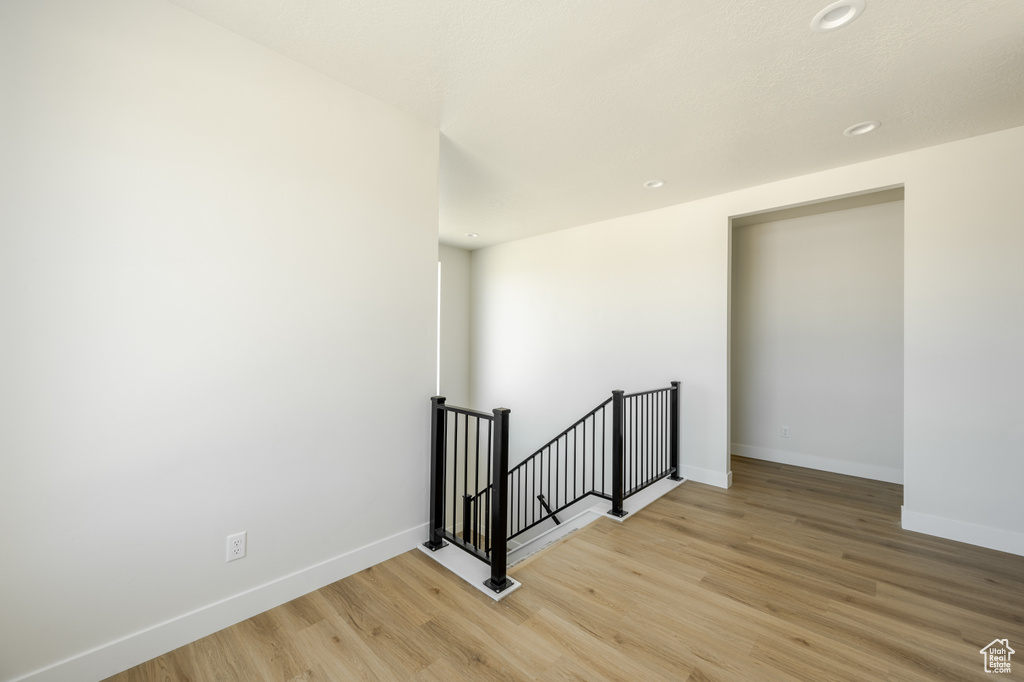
(816, 335)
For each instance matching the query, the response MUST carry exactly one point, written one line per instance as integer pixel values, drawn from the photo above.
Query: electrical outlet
(236, 546)
(785, 434)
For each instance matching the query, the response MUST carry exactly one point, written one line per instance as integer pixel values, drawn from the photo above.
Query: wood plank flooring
(791, 574)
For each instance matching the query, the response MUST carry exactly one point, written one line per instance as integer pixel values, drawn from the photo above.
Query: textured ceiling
(554, 112)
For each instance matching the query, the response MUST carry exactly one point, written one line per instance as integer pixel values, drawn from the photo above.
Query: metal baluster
(517, 513)
(660, 410)
(648, 461)
(593, 451)
(575, 452)
(554, 468)
(490, 483)
(476, 468)
(465, 465)
(633, 445)
(455, 468)
(604, 459)
(537, 483)
(565, 469)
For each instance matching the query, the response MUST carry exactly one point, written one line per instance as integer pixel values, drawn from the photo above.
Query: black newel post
(437, 447)
(618, 461)
(499, 581)
(674, 432)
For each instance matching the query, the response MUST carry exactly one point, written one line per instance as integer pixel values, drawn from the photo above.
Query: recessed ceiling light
(837, 15)
(861, 128)
(654, 184)
(472, 234)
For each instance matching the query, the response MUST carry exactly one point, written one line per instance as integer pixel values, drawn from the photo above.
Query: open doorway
(816, 336)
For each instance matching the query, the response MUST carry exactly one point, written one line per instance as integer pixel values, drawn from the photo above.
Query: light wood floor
(790, 574)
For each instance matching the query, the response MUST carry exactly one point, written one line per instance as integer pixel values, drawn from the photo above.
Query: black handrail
(514, 472)
(635, 447)
(559, 469)
(574, 425)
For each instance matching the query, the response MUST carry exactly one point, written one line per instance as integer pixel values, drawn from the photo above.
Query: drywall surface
(216, 318)
(561, 320)
(455, 289)
(964, 331)
(817, 341)
(637, 301)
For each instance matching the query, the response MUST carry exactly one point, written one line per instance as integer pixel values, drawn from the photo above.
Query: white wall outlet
(236, 546)
(785, 432)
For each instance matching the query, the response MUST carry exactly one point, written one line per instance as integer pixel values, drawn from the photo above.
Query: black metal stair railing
(478, 503)
(572, 465)
(613, 452)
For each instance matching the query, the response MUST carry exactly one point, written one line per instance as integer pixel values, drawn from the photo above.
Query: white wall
(562, 319)
(964, 444)
(637, 301)
(817, 341)
(216, 317)
(455, 324)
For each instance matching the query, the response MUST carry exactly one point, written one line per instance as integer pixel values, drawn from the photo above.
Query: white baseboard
(963, 531)
(719, 479)
(836, 466)
(114, 657)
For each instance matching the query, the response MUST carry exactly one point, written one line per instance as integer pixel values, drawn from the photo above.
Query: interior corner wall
(455, 323)
(216, 318)
(817, 341)
(634, 302)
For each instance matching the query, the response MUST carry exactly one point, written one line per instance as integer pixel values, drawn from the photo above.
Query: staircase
(478, 503)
